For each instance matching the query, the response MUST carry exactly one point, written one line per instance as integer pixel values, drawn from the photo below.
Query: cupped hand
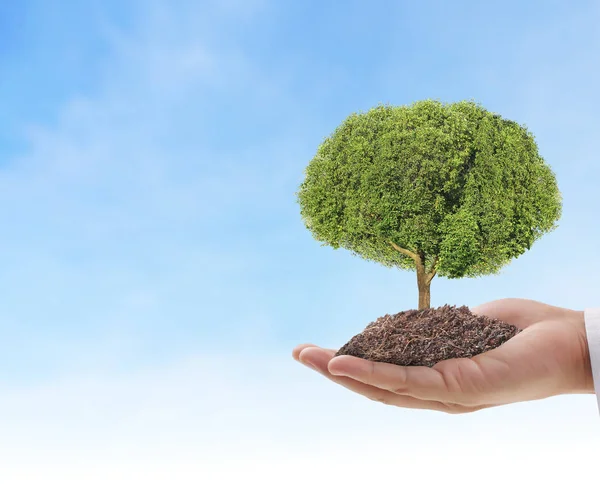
(548, 357)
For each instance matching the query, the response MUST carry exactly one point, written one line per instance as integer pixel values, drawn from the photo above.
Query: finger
(416, 381)
(319, 359)
(518, 312)
(299, 348)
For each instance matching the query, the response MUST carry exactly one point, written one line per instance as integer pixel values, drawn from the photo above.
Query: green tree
(444, 189)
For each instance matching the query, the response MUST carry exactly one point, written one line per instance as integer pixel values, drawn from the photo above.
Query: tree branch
(433, 270)
(410, 254)
(434, 265)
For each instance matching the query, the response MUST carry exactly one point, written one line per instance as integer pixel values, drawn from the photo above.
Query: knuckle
(380, 399)
(453, 382)
(453, 409)
(401, 391)
(372, 372)
(449, 378)
(457, 409)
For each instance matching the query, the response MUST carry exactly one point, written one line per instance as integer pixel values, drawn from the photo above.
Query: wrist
(585, 381)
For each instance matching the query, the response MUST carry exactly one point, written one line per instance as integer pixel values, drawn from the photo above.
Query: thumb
(518, 312)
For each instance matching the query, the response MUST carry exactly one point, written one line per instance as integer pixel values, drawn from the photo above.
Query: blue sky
(155, 262)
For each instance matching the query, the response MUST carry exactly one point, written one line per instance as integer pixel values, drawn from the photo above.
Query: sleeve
(592, 330)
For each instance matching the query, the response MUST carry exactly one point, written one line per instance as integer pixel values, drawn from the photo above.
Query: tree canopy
(459, 187)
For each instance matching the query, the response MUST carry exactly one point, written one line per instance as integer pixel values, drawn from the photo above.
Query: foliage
(448, 181)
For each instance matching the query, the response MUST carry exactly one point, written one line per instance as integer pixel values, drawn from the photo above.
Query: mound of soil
(425, 337)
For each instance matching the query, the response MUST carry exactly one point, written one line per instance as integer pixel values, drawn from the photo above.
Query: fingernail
(334, 369)
(342, 370)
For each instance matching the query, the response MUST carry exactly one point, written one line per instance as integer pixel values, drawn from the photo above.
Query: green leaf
(453, 181)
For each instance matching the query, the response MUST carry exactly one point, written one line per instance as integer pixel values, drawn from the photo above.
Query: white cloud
(222, 421)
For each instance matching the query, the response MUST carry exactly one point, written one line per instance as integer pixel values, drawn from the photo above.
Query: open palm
(548, 357)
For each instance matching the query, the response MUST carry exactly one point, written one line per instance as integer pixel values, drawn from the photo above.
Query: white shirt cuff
(592, 330)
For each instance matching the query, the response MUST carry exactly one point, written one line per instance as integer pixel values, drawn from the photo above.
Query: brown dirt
(425, 337)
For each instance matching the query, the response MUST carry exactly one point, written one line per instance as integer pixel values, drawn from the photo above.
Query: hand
(549, 357)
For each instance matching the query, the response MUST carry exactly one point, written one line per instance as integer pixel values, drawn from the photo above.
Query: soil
(426, 337)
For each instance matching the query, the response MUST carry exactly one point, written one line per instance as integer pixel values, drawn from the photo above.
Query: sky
(157, 273)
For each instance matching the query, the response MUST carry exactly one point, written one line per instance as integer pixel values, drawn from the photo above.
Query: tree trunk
(424, 284)
(424, 278)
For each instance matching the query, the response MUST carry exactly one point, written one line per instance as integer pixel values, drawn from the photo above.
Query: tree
(451, 190)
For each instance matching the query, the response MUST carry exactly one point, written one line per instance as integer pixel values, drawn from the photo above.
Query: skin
(549, 357)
